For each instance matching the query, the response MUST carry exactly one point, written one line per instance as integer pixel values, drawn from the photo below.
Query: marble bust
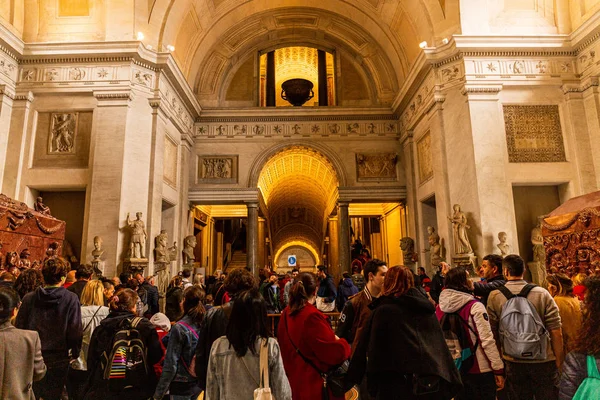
(435, 247)
(161, 254)
(98, 250)
(189, 243)
(503, 246)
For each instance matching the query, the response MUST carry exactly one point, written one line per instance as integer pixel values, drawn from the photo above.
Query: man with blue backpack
(526, 322)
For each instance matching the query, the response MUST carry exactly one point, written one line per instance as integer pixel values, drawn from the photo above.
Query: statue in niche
(537, 267)
(407, 245)
(161, 254)
(62, 132)
(189, 243)
(173, 252)
(459, 231)
(98, 250)
(436, 249)
(24, 262)
(52, 250)
(503, 246)
(138, 236)
(40, 207)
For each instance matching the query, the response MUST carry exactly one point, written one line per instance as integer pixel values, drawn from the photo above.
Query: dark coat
(173, 300)
(77, 288)
(345, 290)
(151, 298)
(436, 286)
(102, 341)
(55, 314)
(403, 337)
(483, 289)
(327, 289)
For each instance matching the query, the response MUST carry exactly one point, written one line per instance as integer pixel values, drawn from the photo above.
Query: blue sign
(292, 261)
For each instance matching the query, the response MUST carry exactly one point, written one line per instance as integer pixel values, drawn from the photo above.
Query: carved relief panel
(533, 134)
(376, 167)
(218, 169)
(62, 139)
(424, 158)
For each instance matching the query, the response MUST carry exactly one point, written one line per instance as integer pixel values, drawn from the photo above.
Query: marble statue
(537, 240)
(503, 246)
(161, 254)
(436, 249)
(172, 251)
(40, 207)
(189, 243)
(459, 230)
(407, 245)
(98, 250)
(63, 133)
(24, 262)
(138, 236)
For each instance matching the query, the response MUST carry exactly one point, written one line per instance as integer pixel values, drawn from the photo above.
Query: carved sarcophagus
(572, 236)
(27, 236)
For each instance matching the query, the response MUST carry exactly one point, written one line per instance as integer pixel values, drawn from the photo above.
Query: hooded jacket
(402, 338)
(487, 357)
(55, 314)
(346, 290)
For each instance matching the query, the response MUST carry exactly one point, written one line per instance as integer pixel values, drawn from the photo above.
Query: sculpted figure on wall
(376, 166)
(40, 207)
(189, 243)
(407, 245)
(98, 250)
(459, 231)
(537, 240)
(503, 246)
(436, 249)
(62, 132)
(138, 236)
(217, 168)
(161, 253)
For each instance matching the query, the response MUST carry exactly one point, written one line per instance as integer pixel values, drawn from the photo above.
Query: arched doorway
(299, 187)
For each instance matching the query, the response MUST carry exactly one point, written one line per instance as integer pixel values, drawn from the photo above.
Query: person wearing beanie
(162, 325)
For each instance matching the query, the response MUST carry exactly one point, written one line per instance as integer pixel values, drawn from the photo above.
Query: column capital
(113, 98)
(481, 92)
(343, 203)
(251, 204)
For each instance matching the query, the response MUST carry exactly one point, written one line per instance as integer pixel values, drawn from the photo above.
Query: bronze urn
(297, 91)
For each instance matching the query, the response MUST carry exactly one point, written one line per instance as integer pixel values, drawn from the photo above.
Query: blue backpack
(590, 387)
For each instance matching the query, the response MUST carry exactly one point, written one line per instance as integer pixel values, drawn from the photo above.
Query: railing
(274, 320)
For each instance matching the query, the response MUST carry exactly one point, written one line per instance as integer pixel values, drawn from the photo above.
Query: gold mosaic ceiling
(299, 187)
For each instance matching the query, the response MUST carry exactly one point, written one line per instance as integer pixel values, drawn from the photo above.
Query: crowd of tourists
(402, 336)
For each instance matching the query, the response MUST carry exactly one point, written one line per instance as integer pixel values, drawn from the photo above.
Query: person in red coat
(305, 328)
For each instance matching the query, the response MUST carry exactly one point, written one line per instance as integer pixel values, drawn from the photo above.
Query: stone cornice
(372, 193)
(486, 89)
(223, 196)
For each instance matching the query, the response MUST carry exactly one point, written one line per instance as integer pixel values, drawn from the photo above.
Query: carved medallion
(63, 130)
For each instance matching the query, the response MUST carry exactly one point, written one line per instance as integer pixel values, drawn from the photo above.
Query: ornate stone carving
(143, 78)
(161, 253)
(425, 159)
(63, 129)
(377, 167)
(258, 130)
(407, 245)
(137, 241)
(460, 239)
(533, 134)
(217, 169)
(170, 162)
(503, 246)
(352, 128)
(239, 129)
(76, 74)
(436, 248)
(97, 262)
(40, 207)
(189, 243)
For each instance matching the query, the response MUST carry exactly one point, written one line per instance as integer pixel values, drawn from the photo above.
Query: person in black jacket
(55, 314)
(407, 355)
(149, 286)
(83, 275)
(216, 319)
(491, 270)
(122, 307)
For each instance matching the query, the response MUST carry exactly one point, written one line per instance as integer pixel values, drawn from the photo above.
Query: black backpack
(125, 367)
(456, 333)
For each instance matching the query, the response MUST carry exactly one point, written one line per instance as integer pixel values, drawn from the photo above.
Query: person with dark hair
(109, 290)
(437, 282)
(7, 279)
(124, 277)
(288, 286)
(346, 290)
(174, 298)
(55, 314)
(20, 352)
(140, 307)
(186, 274)
(403, 327)
(28, 281)
(272, 296)
(234, 365)
(486, 376)
(308, 345)
(528, 378)
(586, 352)
(149, 285)
(83, 275)
(122, 315)
(177, 377)
(216, 319)
(491, 271)
(425, 281)
(326, 294)
(560, 287)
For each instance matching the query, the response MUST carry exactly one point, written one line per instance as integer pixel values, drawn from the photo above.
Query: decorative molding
(114, 95)
(292, 118)
(25, 97)
(205, 195)
(6, 92)
(371, 193)
(480, 90)
(425, 158)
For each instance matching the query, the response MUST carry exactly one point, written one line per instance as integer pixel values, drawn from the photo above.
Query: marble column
(344, 236)
(16, 145)
(591, 102)
(260, 246)
(6, 105)
(252, 238)
(334, 250)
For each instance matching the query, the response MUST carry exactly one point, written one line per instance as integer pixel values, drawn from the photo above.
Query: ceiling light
(423, 45)
(445, 40)
(171, 48)
(140, 36)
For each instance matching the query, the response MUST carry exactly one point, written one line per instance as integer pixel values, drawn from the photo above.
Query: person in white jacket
(92, 312)
(487, 373)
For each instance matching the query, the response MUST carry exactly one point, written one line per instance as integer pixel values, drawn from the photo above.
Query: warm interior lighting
(140, 36)
(171, 48)
(445, 40)
(423, 45)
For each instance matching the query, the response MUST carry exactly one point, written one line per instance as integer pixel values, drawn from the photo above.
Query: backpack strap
(507, 293)
(526, 289)
(189, 327)
(134, 322)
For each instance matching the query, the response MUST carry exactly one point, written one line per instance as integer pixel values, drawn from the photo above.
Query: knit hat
(161, 321)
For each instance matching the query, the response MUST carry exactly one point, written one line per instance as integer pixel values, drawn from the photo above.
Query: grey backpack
(522, 332)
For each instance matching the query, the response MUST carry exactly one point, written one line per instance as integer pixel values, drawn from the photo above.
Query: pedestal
(161, 271)
(98, 266)
(538, 272)
(135, 265)
(466, 260)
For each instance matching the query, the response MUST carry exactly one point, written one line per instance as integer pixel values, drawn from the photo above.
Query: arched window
(296, 62)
